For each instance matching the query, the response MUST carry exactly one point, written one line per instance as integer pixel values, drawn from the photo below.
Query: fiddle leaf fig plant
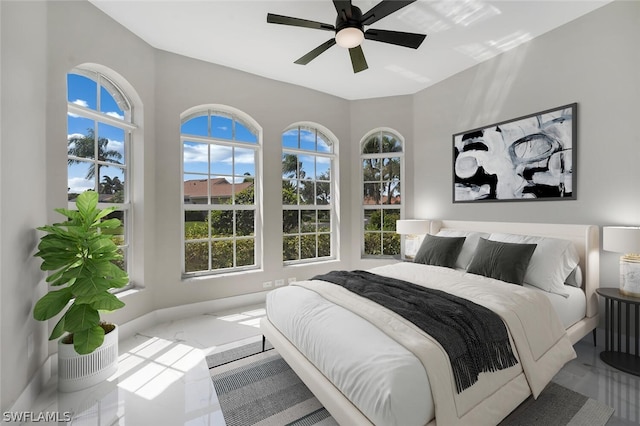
(81, 256)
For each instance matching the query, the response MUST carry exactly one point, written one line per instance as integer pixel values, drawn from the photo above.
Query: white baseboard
(27, 399)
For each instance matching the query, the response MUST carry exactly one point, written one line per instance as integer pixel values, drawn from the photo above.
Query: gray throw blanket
(474, 337)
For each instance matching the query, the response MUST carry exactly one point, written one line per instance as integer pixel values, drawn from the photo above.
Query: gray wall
(22, 190)
(592, 61)
(182, 83)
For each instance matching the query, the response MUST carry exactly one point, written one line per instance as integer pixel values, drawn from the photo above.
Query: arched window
(308, 193)
(382, 163)
(100, 124)
(221, 192)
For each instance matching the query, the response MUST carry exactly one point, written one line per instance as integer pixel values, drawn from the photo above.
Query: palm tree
(291, 167)
(111, 185)
(84, 147)
(382, 170)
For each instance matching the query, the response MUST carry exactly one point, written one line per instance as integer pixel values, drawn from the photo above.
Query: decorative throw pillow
(439, 251)
(503, 261)
(469, 246)
(551, 263)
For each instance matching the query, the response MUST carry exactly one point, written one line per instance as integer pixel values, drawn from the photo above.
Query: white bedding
(570, 309)
(390, 394)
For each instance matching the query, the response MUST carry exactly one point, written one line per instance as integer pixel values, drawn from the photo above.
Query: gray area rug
(259, 387)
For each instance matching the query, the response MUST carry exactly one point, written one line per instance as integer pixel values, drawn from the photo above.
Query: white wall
(183, 83)
(593, 61)
(22, 178)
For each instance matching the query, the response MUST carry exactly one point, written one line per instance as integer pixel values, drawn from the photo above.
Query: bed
(367, 374)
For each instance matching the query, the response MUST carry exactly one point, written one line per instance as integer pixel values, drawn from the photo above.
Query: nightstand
(619, 308)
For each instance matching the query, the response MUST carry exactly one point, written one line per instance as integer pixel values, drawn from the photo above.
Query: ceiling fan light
(349, 37)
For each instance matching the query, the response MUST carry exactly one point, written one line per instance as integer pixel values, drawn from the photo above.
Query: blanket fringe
(489, 357)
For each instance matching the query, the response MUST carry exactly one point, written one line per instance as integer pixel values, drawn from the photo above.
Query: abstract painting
(527, 158)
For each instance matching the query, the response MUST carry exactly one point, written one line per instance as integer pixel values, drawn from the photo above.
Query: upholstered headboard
(585, 237)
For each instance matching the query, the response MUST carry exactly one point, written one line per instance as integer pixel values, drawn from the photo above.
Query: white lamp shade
(349, 37)
(412, 226)
(621, 239)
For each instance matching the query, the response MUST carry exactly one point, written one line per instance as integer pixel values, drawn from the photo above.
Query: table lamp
(625, 239)
(413, 229)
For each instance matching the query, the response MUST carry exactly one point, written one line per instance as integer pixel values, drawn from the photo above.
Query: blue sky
(228, 162)
(83, 91)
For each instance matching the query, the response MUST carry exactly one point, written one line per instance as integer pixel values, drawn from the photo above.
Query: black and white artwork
(527, 158)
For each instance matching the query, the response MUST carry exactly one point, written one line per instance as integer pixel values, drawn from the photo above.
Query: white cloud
(195, 153)
(81, 102)
(115, 146)
(77, 185)
(115, 115)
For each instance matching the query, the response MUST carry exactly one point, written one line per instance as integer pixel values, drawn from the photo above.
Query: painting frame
(528, 158)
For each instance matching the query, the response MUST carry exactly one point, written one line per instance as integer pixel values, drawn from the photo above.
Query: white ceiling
(460, 34)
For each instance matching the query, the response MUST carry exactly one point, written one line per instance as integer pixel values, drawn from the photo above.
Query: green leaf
(88, 285)
(80, 317)
(103, 245)
(71, 214)
(119, 278)
(102, 302)
(105, 212)
(87, 204)
(88, 340)
(109, 224)
(58, 330)
(51, 304)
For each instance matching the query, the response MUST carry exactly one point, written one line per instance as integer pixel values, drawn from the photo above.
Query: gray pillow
(503, 261)
(439, 251)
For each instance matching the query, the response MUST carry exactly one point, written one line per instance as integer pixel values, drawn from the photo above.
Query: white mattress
(570, 309)
(396, 393)
(388, 393)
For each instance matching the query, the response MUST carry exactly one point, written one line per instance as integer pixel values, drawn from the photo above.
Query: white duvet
(355, 344)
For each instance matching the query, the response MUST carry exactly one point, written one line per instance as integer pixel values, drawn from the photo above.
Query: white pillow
(469, 246)
(551, 263)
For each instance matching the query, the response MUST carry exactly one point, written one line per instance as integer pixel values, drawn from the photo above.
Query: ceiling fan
(349, 30)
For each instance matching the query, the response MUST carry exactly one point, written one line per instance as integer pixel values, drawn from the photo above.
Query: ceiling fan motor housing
(349, 19)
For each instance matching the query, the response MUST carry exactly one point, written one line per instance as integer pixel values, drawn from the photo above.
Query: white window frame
(251, 124)
(365, 207)
(128, 126)
(332, 156)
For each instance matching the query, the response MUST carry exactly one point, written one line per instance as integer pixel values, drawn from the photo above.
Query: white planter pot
(76, 372)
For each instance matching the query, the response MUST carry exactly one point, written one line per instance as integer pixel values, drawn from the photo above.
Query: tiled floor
(163, 379)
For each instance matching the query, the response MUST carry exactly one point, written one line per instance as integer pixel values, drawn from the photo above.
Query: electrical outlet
(279, 283)
(267, 284)
(291, 280)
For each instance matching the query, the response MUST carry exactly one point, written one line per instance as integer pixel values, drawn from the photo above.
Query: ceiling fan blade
(343, 5)
(357, 59)
(382, 9)
(297, 22)
(315, 52)
(399, 38)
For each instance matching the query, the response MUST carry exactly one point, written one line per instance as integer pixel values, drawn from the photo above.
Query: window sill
(303, 263)
(198, 278)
